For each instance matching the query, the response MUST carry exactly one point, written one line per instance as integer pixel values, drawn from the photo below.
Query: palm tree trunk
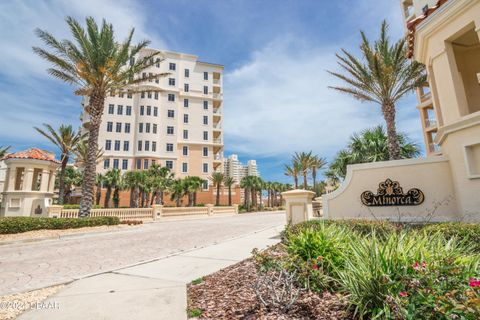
(161, 197)
(154, 196)
(106, 202)
(296, 182)
(61, 180)
(217, 200)
(314, 178)
(95, 110)
(195, 198)
(98, 195)
(388, 111)
(305, 180)
(229, 195)
(116, 198)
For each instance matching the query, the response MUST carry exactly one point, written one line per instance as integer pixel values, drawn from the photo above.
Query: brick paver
(25, 267)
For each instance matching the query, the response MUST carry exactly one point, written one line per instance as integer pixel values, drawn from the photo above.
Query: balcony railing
(217, 95)
(217, 141)
(217, 111)
(218, 156)
(216, 81)
(433, 147)
(217, 126)
(430, 123)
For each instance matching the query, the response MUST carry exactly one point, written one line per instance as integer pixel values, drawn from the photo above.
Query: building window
(117, 145)
(205, 135)
(186, 87)
(124, 164)
(154, 146)
(129, 95)
(172, 66)
(185, 150)
(171, 97)
(169, 147)
(139, 145)
(205, 119)
(156, 94)
(157, 62)
(120, 95)
(147, 145)
(169, 164)
(171, 113)
(149, 110)
(132, 61)
(142, 95)
(169, 130)
(109, 126)
(118, 127)
(144, 75)
(187, 73)
(142, 110)
(185, 134)
(184, 167)
(171, 81)
(205, 168)
(126, 145)
(140, 127)
(205, 105)
(154, 128)
(145, 164)
(205, 185)
(205, 75)
(128, 111)
(111, 109)
(185, 118)
(119, 109)
(153, 161)
(147, 127)
(150, 77)
(127, 127)
(205, 89)
(139, 164)
(108, 145)
(205, 151)
(106, 163)
(155, 111)
(115, 163)
(149, 95)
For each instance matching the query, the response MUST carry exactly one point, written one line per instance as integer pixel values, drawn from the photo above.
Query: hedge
(10, 225)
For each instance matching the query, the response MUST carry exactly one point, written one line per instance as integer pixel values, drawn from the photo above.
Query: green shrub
(10, 225)
(77, 206)
(469, 232)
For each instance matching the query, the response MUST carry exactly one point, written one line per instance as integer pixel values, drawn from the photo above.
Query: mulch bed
(229, 294)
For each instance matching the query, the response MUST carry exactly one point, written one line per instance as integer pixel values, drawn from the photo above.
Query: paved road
(25, 267)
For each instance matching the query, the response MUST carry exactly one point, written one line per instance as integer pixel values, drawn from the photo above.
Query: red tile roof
(411, 26)
(32, 153)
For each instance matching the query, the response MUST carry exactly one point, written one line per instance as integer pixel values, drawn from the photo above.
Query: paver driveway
(36, 265)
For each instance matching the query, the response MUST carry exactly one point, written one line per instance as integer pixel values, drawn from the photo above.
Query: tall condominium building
(179, 127)
(235, 169)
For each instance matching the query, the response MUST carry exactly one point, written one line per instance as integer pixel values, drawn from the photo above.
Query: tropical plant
(97, 65)
(192, 185)
(304, 161)
(99, 180)
(229, 182)
(81, 154)
(293, 171)
(3, 151)
(383, 75)
(316, 163)
(177, 191)
(369, 146)
(113, 181)
(217, 180)
(73, 178)
(134, 180)
(160, 179)
(66, 140)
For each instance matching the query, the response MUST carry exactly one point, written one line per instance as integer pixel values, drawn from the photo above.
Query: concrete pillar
(27, 179)
(157, 211)
(44, 181)
(236, 208)
(54, 211)
(209, 209)
(51, 187)
(298, 205)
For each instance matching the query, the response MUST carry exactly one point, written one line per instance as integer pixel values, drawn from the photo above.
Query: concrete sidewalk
(153, 290)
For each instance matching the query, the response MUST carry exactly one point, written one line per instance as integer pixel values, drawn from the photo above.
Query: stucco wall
(430, 175)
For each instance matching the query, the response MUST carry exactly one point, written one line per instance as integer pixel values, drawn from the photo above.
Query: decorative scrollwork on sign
(390, 193)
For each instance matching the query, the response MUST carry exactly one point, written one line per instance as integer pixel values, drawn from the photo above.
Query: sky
(276, 55)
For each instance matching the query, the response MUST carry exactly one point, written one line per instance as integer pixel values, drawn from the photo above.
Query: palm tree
(293, 170)
(81, 154)
(72, 178)
(97, 65)
(113, 180)
(177, 191)
(66, 140)
(229, 182)
(99, 180)
(217, 180)
(192, 185)
(133, 180)
(316, 164)
(3, 151)
(160, 179)
(304, 161)
(384, 75)
(371, 145)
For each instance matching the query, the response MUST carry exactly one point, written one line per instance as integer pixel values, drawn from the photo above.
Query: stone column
(236, 208)
(44, 181)
(51, 187)
(157, 211)
(10, 179)
(27, 179)
(209, 209)
(298, 205)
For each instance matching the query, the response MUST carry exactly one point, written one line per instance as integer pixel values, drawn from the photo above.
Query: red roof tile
(32, 153)
(411, 26)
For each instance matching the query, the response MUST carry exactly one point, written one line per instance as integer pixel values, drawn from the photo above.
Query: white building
(179, 127)
(235, 169)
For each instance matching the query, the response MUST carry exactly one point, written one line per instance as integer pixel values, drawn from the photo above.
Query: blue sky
(275, 53)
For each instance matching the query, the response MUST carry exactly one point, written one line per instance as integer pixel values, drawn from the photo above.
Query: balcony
(217, 112)
(217, 96)
(218, 156)
(217, 126)
(433, 147)
(217, 141)
(430, 123)
(216, 82)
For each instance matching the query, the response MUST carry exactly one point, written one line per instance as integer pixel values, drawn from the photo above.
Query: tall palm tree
(81, 154)
(246, 184)
(134, 180)
(113, 181)
(293, 171)
(66, 140)
(160, 179)
(3, 151)
(383, 75)
(316, 164)
(217, 180)
(72, 179)
(304, 161)
(99, 180)
(177, 191)
(192, 185)
(97, 65)
(229, 182)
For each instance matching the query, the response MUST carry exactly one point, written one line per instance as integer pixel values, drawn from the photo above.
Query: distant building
(237, 170)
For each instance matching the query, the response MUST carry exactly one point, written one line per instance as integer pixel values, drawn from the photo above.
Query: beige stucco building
(179, 127)
(235, 169)
(444, 35)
